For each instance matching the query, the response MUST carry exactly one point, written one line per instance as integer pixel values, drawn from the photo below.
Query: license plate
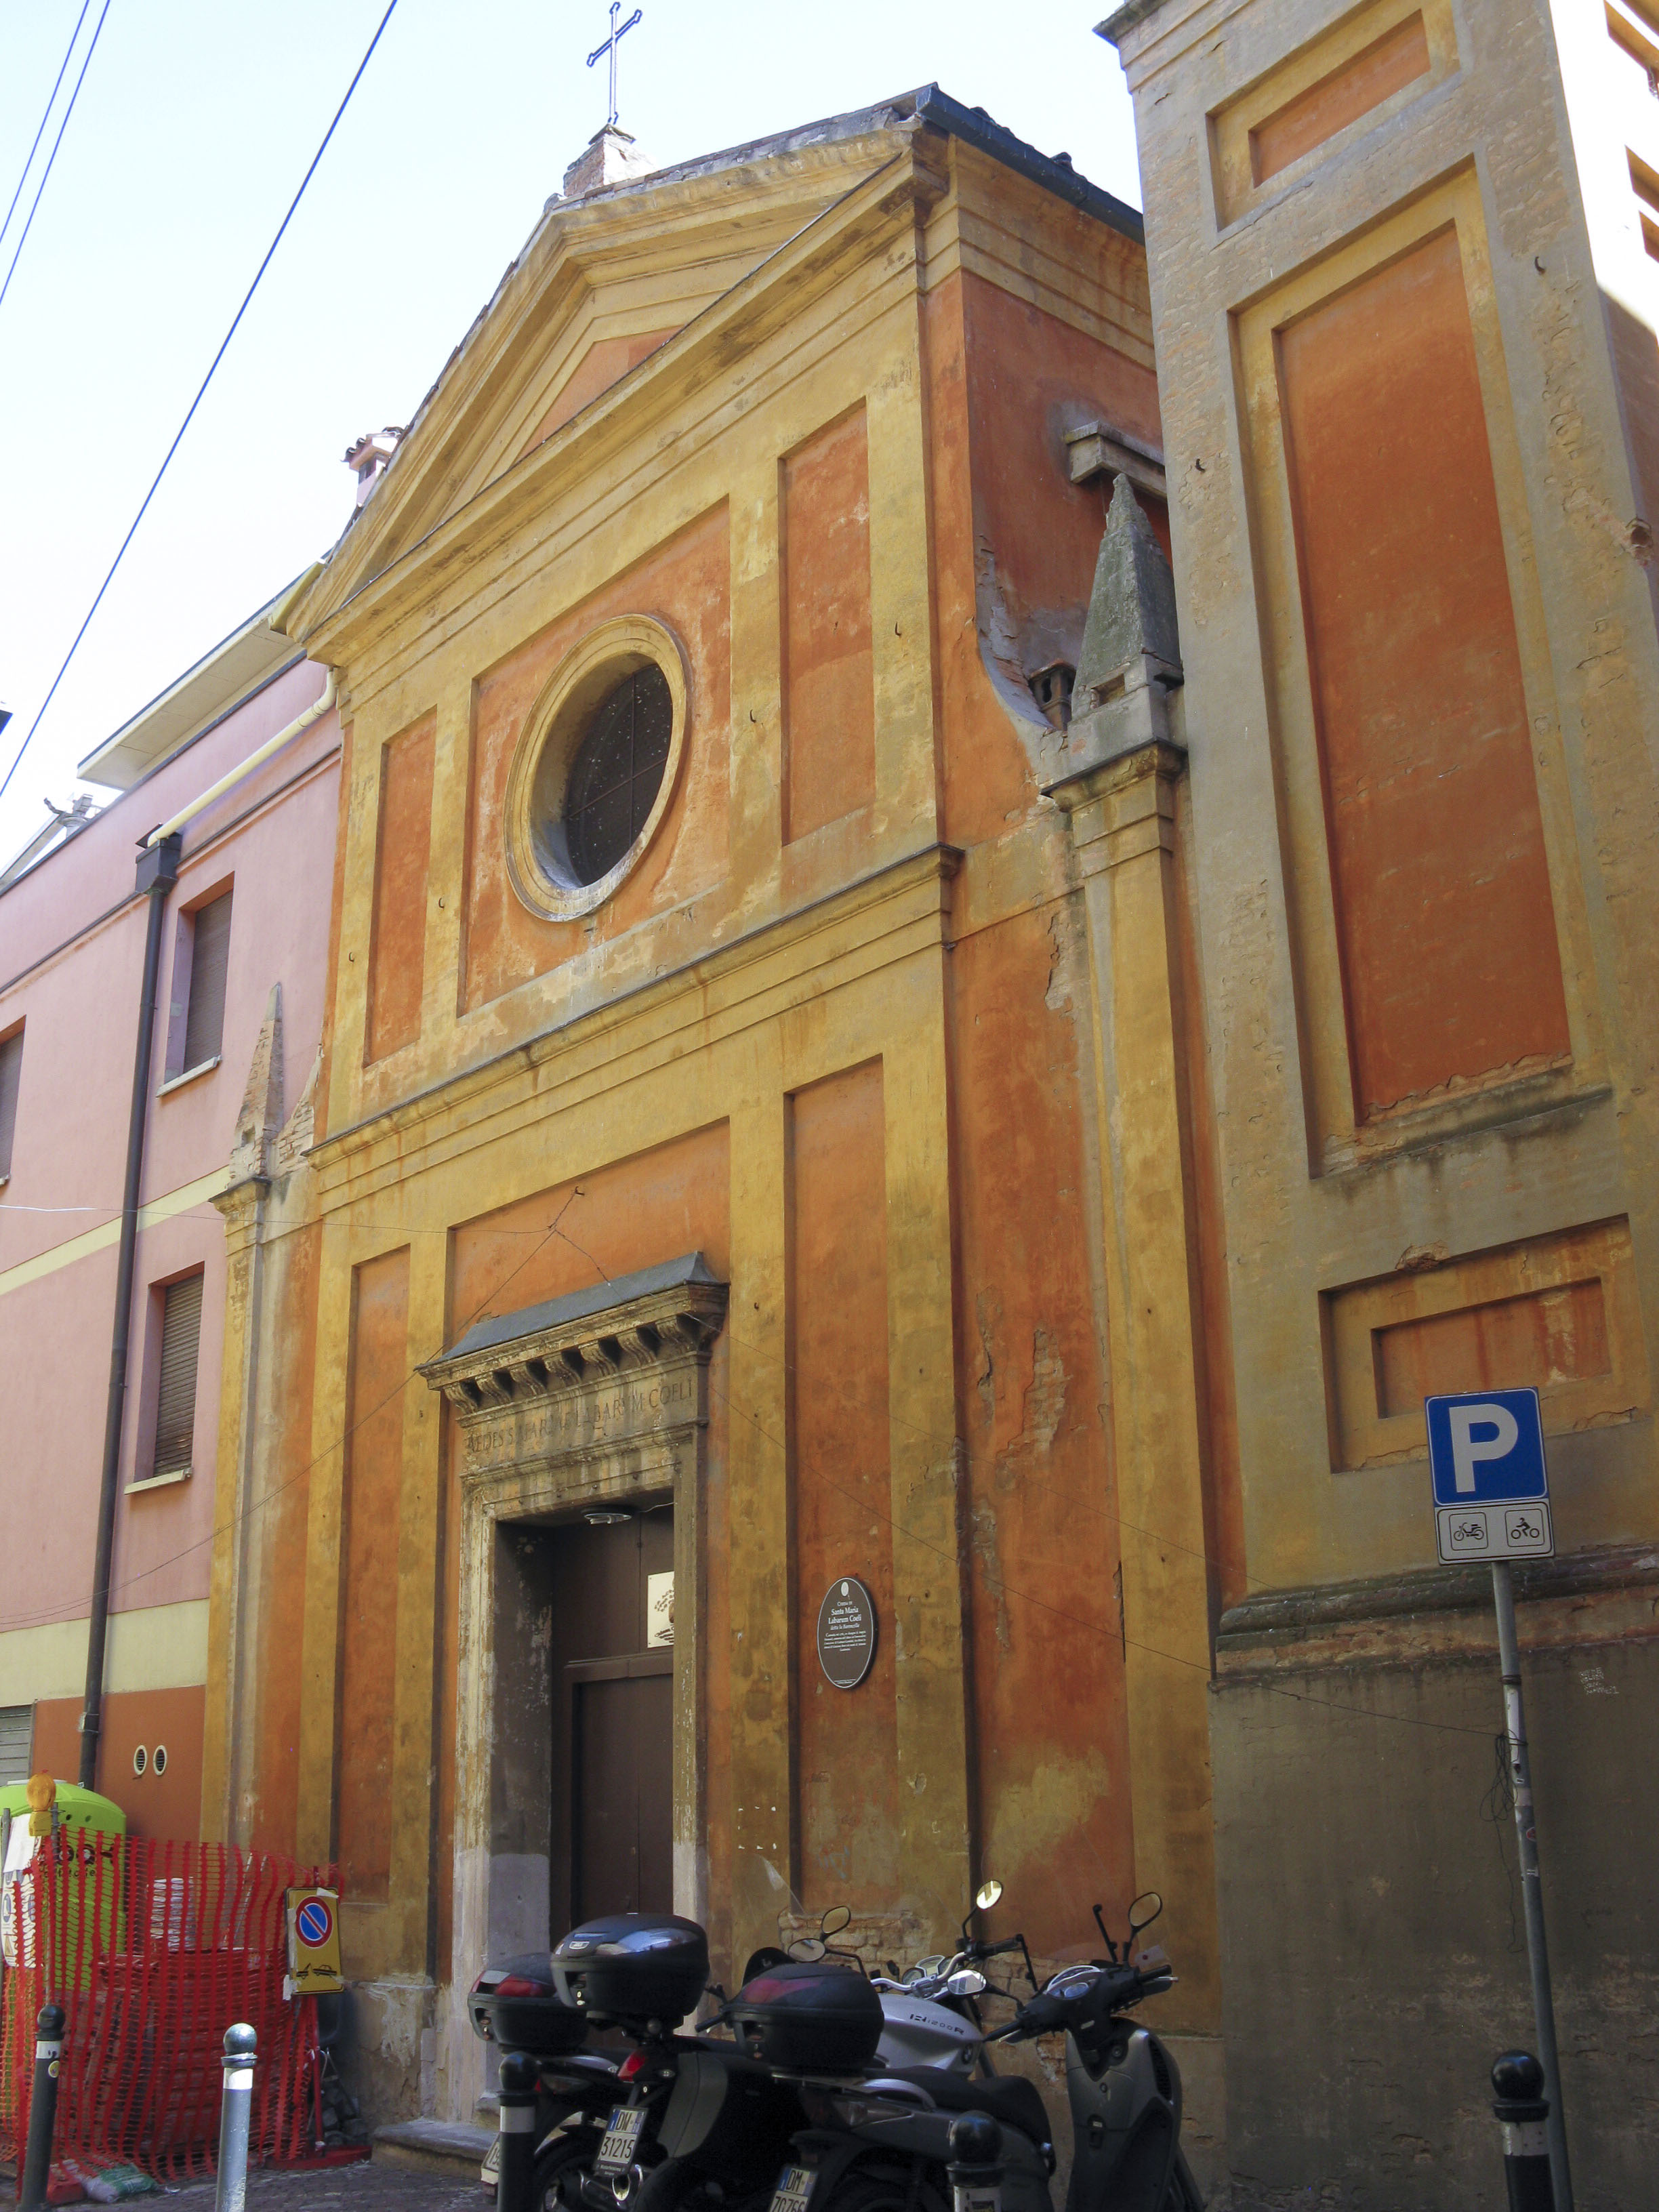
(795, 2189)
(621, 2139)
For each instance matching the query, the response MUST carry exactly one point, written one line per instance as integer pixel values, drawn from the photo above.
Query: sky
(194, 125)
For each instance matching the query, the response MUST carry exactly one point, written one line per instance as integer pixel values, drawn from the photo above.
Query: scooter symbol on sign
(1491, 1491)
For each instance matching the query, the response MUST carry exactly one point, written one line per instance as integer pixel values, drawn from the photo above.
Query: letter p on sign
(1498, 1433)
(1486, 1448)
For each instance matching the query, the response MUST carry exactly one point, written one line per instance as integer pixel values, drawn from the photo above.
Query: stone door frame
(598, 1398)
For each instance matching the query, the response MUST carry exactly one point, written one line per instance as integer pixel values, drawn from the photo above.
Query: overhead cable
(189, 415)
(63, 126)
(46, 118)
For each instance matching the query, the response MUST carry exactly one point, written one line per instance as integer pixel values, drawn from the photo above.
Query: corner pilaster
(1122, 816)
(225, 1722)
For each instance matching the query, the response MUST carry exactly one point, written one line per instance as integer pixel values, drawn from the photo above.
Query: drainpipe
(158, 871)
(314, 712)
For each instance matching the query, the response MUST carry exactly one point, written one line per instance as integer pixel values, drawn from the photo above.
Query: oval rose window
(617, 773)
(596, 766)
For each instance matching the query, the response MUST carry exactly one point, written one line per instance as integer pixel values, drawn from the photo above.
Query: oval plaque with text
(846, 1632)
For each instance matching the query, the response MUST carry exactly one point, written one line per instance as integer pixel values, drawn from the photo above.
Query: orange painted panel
(630, 1214)
(166, 1805)
(398, 956)
(1447, 934)
(373, 1488)
(686, 584)
(847, 1745)
(828, 684)
(1558, 1335)
(1041, 1530)
(1398, 59)
(598, 368)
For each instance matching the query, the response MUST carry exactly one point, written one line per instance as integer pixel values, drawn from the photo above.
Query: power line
(34, 203)
(46, 118)
(206, 380)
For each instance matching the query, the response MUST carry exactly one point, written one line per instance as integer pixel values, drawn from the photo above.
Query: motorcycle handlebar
(1043, 2014)
(1039, 2017)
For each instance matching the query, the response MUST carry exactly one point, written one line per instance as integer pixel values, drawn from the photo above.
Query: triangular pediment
(604, 282)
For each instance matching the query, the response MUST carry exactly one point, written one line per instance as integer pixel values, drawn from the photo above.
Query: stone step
(433, 2147)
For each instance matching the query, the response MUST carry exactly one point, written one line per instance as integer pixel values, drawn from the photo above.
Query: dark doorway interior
(611, 1844)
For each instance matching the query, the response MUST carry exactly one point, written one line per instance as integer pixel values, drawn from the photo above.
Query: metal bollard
(975, 2166)
(42, 2106)
(235, 2110)
(518, 2077)
(1520, 2104)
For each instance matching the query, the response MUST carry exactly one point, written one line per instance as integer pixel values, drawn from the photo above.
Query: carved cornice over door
(581, 1379)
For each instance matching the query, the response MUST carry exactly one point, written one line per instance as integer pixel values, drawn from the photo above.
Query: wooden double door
(612, 1828)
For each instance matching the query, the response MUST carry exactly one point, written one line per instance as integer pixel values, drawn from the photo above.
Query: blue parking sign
(1486, 1448)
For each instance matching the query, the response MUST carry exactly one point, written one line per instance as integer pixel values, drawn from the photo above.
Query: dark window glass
(16, 1734)
(617, 773)
(11, 1067)
(175, 1402)
(209, 957)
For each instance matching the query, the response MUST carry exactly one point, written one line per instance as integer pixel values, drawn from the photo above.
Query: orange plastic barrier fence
(154, 1949)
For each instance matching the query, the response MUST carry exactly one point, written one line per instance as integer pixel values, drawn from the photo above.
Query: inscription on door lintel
(560, 1428)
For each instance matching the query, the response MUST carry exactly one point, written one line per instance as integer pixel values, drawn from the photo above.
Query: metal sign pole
(1509, 1656)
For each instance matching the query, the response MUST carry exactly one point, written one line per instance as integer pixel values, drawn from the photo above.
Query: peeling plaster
(1014, 652)
(1044, 1410)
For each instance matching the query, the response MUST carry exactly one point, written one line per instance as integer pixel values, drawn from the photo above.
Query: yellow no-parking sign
(313, 1942)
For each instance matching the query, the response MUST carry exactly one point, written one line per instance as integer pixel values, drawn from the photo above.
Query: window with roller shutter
(16, 1740)
(11, 1067)
(175, 1399)
(209, 955)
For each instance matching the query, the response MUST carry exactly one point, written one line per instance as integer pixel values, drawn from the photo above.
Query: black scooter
(892, 2142)
(616, 2130)
(514, 2005)
(691, 2109)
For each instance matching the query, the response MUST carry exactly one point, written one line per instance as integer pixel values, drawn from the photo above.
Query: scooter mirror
(807, 1949)
(835, 1920)
(987, 1894)
(969, 1982)
(1144, 1911)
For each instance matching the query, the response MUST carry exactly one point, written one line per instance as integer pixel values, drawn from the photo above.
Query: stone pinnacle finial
(1132, 610)
(262, 1102)
(1131, 657)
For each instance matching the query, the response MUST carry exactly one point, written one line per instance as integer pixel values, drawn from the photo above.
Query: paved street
(366, 2187)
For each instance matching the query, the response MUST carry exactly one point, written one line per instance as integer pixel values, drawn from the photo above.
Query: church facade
(729, 1419)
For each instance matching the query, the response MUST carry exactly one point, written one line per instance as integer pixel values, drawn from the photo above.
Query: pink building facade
(243, 947)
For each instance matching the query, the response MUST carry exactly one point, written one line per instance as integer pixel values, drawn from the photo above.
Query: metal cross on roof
(609, 47)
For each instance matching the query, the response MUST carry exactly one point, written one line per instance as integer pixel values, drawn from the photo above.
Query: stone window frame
(546, 753)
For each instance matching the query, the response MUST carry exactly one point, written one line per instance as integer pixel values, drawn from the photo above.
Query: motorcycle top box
(633, 1967)
(514, 2004)
(817, 2017)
